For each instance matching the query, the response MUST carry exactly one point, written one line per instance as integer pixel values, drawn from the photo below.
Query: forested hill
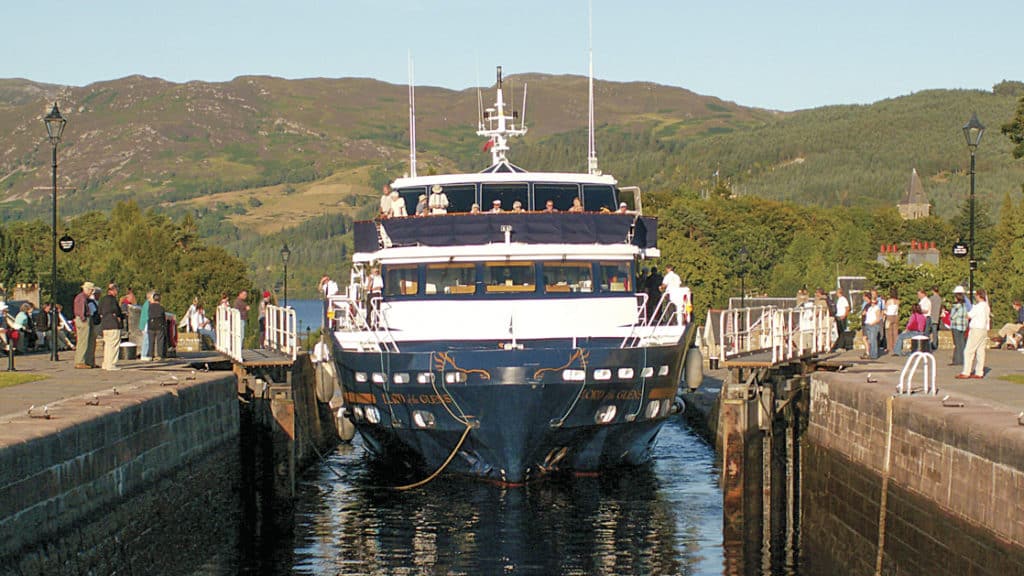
(259, 161)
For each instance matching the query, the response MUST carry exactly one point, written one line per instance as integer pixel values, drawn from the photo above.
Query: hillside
(260, 161)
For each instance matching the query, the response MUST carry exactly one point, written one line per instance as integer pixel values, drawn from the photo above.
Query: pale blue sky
(784, 55)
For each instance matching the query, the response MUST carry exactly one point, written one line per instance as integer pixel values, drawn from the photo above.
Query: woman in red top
(915, 327)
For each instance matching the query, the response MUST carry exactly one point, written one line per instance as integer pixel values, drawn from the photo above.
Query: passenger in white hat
(438, 200)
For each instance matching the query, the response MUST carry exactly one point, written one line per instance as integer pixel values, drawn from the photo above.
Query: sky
(781, 55)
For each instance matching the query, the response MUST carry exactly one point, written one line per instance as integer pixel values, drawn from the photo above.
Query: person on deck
(438, 201)
(496, 207)
(385, 202)
(549, 206)
(623, 208)
(398, 209)
(421, 205)
(577, 206)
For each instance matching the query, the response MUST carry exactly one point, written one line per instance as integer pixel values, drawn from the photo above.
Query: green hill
(260, 161)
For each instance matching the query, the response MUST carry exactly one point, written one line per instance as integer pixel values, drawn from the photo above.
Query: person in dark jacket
(111, 317)
(157, 328)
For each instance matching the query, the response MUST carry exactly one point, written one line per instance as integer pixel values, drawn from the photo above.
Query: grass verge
(15, 378)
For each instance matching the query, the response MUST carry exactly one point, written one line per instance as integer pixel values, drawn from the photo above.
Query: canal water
(661, 518)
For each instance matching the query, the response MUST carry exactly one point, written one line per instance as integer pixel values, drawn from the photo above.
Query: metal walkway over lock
(768, 336)
(280, 345)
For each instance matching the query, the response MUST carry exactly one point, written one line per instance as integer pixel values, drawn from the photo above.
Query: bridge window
(460, 196)
(451, 278)
(616, 276)
(597, 196)
(560, 194)
(401, 280)
(506, 193)
(509, 277)
(567, 277)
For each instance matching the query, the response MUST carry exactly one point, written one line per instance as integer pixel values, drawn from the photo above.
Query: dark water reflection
(664, 518)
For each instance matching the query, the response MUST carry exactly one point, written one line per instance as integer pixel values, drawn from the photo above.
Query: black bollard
(10, 355)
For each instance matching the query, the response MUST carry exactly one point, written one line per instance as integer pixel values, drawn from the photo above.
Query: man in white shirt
(328, 287)
(842, 314)
(672, 285)
(979, 319)
(926, 309)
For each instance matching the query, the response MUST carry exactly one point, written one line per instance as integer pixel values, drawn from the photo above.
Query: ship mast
(498, 127)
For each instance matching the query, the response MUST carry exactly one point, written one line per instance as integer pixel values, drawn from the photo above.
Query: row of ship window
(533, 196)
(425, 419)
(568, 375)
(503, 277)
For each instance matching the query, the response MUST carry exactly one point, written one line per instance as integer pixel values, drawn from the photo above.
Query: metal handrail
(787, 333)
(281, 330)
(910, 368)
(353, 318)
(230, 332)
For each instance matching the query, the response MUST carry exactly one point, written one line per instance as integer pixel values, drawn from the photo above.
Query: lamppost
(973, 132)
(285, 254)
(54, 128)
(743, 254)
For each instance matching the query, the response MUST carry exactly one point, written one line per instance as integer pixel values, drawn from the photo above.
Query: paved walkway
(992, 389)
(62, 380)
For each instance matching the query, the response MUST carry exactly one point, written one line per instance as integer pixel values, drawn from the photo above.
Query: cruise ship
(512, 343)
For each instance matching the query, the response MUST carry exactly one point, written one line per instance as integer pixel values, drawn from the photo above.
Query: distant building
(915, 202)
(914, 252)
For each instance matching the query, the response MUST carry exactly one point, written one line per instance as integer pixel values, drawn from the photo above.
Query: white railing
(665, 314)
(349, 314)
(910, 368)
(281, 330)
(230, 332)
(786, 333)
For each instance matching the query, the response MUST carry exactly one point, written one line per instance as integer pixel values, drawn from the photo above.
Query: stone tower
(915, 202)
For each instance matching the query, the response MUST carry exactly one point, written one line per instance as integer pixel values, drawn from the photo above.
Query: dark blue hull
(529, 412)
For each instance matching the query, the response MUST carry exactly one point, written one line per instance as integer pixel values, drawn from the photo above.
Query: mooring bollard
(10, 356)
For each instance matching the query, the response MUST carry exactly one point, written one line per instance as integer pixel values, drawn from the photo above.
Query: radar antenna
(498, 127)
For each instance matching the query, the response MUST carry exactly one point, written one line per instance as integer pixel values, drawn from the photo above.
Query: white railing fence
(230, 332)
(281, 332)
(787, 333)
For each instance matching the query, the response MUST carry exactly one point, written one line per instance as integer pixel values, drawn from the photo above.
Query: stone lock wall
(121, 486)
(956, 476)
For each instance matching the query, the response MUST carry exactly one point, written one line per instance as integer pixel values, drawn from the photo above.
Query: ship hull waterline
(529, 413)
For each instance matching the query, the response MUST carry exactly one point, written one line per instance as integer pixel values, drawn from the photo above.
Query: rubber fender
(694, 376)
(346, 429)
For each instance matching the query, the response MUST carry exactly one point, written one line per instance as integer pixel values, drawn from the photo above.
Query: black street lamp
(973, 131)
(54, 128)
(285, 255)
(743, 254)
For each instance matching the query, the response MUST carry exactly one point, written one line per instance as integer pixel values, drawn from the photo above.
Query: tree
(1014, 130)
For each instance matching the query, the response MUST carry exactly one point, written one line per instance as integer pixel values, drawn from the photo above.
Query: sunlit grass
(1015, 378)
(15, 378)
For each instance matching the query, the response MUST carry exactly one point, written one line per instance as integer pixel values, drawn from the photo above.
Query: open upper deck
(525, 227)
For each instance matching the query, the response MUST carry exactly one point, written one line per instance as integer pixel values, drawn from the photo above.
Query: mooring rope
(885, 486)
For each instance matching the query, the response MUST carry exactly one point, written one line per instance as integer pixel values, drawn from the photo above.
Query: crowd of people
(967, 319)
(100, 314)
